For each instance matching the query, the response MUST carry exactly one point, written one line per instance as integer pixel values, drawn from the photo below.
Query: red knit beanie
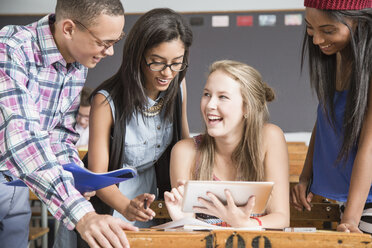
(339, 4)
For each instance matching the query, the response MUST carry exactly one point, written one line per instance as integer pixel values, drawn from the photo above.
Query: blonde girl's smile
(214, 118)
(222, 105)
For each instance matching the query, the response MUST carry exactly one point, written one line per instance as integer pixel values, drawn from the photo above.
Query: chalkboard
(275, 51)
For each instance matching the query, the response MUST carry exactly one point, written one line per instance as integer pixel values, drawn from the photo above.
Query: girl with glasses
(139, 113)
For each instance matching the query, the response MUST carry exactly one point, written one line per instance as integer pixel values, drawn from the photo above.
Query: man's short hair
(86, 11)
(85, 96)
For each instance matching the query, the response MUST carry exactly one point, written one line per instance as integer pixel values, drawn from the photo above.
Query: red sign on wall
(246, 20)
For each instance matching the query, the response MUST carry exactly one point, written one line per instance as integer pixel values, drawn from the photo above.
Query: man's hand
(103, 230)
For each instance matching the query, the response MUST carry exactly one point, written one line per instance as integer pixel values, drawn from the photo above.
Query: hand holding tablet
(241, 191)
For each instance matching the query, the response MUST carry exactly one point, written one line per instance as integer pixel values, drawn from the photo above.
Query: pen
(145, 203)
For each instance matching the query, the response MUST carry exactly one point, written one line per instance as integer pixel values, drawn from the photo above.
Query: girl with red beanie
(338, 165)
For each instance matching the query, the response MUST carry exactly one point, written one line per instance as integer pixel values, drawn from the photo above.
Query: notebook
(86, 180)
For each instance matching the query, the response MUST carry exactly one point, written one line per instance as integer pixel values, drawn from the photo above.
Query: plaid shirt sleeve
(27, 151)
(64, 137)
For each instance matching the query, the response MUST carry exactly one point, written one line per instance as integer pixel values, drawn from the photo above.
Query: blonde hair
(246, 156)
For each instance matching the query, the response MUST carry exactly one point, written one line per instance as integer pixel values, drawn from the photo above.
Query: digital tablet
(241, 191)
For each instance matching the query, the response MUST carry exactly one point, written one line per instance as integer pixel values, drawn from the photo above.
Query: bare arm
(299, 198)
(98, 156)
(276, 170)
(307, 170)
(185, 124)
(361, 177)
(182, 161)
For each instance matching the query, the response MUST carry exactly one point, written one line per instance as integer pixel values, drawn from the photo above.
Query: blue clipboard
(86, 180)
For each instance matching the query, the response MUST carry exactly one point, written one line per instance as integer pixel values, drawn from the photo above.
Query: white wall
(135, 6)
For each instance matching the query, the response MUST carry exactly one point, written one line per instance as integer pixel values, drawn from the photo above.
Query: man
(43, 67)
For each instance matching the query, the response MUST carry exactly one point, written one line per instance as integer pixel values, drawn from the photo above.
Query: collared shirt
(39, 99)
(146, 139)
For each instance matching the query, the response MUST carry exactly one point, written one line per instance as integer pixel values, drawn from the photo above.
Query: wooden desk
(256, 239)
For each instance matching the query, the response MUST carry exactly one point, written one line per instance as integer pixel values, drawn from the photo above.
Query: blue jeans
(15, 214)
(65, 238)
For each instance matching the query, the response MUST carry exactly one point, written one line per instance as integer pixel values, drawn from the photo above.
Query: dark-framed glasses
(105, 44)
(160, 66)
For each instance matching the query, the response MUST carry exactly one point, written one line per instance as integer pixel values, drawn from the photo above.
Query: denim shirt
(146, 138)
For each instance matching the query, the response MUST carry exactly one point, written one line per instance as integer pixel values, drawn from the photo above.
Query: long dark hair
(323, 75)
(126, 87)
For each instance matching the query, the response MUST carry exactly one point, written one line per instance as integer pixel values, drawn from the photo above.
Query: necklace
(154, 110)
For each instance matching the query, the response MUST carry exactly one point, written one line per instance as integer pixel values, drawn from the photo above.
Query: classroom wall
(135, 6)
(273, 50)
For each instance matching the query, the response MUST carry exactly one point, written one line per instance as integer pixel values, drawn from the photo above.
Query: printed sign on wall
(293, 20)
(244, 20)
(267, 20)
(220, 21)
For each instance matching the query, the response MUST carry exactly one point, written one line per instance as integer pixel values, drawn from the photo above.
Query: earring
(245, 116)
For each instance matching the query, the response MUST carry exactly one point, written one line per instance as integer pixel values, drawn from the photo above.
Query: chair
(82, 152)
(42, 230)
(325, 213)
(296, 154)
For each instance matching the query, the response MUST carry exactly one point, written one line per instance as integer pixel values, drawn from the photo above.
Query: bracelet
(257, 219)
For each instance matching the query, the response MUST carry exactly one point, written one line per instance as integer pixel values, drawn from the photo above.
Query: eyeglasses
(159, 66)
(100, 42)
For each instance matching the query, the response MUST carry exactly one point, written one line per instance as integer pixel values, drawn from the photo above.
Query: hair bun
(269, 92)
